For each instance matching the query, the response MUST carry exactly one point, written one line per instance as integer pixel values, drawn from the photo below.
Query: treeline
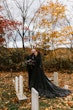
(58, 60)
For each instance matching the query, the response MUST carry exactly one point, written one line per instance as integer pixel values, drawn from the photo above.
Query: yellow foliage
(44, 8)
(34, 38)
(66, 31)
(43, 34)
(55, 34)
(56, 8)
(48, 16)
(68, 28)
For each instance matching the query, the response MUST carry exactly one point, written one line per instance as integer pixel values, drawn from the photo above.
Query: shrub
(14, 60)
(58, 64)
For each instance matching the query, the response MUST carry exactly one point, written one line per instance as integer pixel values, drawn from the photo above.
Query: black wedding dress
(39, 81)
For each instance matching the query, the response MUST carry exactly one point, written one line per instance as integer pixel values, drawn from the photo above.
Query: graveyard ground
(9, 100)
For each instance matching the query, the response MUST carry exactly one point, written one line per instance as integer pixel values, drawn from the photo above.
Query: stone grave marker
(34, 99)
(66, 87)
(18, 83)
(56, 78)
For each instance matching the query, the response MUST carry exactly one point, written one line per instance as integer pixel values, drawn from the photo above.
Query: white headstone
(20, 95)
(56, 78)
(34, 99)
(21, 85)
(16, 84)
(66, 87)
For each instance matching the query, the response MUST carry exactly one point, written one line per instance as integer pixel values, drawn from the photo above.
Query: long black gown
(39, 81)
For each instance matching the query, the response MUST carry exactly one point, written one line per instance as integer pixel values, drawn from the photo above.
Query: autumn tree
(6, 25)
(51, 26)
(26, 14)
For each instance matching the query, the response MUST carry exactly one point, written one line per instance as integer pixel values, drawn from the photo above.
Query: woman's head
(33, 51)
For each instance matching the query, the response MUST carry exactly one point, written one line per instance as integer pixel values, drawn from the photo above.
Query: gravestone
(66, 87)
(18, 83)
(56, 78)
(21, 85)
(34, 99)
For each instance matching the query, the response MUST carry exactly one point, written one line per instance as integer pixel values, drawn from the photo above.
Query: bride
(39, 81)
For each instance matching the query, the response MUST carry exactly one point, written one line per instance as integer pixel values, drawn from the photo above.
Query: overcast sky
(17, 14)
